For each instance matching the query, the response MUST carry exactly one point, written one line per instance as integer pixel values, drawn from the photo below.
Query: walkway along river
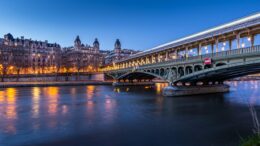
(114, 116)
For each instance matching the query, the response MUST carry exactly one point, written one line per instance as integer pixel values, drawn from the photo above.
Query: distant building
(27, 56)
(83, 58)
(118, 53)
(32, 56)
(1, 41)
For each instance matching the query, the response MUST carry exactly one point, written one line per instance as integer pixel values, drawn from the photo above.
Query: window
(234, 44)
(245, 42)
(257, 39)
(223, 46)
(206, 49)
(193, 52)
(181, 53)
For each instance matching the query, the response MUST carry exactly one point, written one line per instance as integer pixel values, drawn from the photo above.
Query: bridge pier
(177, 90)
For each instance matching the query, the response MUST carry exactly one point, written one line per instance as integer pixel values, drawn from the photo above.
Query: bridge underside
(223, 74)
(220, 73)
(137, 76)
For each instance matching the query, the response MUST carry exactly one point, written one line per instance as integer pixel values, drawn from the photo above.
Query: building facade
(83, 58)
(27, 56)
(118, 53)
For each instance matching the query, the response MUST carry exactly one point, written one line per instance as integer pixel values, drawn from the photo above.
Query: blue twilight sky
(139, 24)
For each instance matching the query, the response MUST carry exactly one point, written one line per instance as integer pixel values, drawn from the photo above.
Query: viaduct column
(199, 49)
(167, 55)
(252, 37)
(212, 49)
(238, 40)
(186, 52)
(216, 43)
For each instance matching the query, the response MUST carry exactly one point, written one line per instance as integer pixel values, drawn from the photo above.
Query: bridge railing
(247, 50)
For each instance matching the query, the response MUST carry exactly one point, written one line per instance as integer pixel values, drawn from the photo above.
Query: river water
(126, 116)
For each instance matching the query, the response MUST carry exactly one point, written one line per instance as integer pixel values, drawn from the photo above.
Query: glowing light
(36, 97)
(224, 44)
(11, 100)
(249, 38)
(53, 95)
(243, 45)
(222, 48)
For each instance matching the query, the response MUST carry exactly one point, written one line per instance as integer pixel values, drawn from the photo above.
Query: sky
(139, 24)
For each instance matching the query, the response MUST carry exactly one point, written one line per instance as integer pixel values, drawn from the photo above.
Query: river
(125, 116)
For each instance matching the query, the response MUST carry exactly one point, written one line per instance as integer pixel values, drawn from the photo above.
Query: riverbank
(53, 83)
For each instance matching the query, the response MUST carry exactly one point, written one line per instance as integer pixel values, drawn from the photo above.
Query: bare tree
(5, 61)
(19, 60)
(58, 63)
(79, 63)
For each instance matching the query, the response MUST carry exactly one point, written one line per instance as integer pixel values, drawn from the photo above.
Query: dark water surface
(129, 116)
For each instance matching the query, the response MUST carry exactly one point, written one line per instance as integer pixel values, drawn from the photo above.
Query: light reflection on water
(46, 114)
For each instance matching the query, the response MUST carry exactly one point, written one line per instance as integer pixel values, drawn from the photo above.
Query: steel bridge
(215, 55)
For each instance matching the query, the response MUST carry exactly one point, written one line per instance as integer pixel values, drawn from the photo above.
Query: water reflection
(244, 92)
(35, 101)
(53, 95)
(110, 108)
(90, 91)
(55, 112)
(160, 86)
(117, 89)
(11, 103)
(8, 109)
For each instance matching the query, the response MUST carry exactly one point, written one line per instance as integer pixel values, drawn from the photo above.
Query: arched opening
(197, 68)
(157, 71)
(162, 72)
(152, 71)
(148, 71)
(181, 71)
(188, 70)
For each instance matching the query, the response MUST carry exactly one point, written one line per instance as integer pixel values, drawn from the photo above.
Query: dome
(96, 42)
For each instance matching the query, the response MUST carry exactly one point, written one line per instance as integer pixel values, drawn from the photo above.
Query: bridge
(209, 57)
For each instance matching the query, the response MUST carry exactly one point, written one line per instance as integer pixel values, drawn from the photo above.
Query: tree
(19, 60)
(58, 63)
(79, 62)
(5, 61)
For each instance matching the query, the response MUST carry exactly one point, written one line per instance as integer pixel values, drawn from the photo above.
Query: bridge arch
(197, 67)
(162, 72)
(225, 72)
(181, 71)
(188, 69)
